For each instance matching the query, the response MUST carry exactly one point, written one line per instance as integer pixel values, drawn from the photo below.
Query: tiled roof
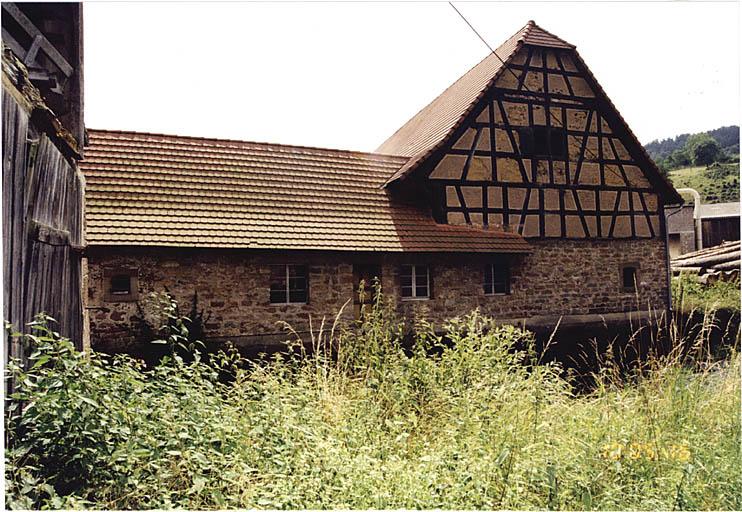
(422, 134)
(163, 190)
(430, 128)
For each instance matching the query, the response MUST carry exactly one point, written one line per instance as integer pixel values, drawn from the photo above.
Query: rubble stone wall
(557, 278)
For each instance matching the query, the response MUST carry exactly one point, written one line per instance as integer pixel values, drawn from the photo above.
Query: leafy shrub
(161, 329)
(364, 422)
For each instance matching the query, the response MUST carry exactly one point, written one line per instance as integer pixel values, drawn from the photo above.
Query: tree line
(705, 148)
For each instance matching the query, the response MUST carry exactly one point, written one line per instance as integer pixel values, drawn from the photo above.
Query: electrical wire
(525, 86)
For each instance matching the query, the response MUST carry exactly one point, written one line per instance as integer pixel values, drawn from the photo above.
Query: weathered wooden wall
(42, 227)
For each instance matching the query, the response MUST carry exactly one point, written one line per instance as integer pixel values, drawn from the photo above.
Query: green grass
(718, 184)
(479, 425)
(689, 294)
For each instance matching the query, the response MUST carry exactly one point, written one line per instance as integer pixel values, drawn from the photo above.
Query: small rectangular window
(289, 284)
(121, 284)
(497, 278)
(415, 281)
(369, 275)
(543, 141)
(629, 277)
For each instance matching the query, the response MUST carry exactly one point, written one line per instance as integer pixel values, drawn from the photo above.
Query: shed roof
(165, 190)
(719, 210)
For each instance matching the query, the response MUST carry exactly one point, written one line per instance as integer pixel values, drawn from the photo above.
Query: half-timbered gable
(536, 148)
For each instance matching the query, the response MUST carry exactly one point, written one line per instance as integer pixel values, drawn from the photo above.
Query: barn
(520, 190)
(42, 187)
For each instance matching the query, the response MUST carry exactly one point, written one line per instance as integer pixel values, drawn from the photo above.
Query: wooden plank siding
(42, 228)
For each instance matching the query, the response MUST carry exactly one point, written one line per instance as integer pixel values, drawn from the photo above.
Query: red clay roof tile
(430, 128)
(162, 190)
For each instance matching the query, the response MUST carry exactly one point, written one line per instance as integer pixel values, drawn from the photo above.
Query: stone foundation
(557, 278)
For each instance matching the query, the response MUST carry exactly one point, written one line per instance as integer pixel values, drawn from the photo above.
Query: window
(415, 281)
(543, 141)
(289, 284)
(629, 277)
(369, 275)
(497, 278)
(121, 284)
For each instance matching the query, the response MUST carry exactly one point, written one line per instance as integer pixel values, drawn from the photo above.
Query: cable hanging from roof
(524, 85)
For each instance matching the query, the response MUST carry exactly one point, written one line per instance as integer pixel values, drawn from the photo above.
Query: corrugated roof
(164, 190)
(710, 211)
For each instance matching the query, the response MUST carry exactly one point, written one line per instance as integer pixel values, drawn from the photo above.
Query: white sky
(348, 75)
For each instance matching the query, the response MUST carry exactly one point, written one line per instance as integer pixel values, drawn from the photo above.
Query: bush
(362, 422)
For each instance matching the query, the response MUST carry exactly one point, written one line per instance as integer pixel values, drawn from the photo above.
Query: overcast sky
(348, 75)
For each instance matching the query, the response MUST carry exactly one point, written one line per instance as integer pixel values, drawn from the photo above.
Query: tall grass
(689, 294)
(363, 422)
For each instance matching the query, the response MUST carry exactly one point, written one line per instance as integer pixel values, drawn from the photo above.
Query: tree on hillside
(726, 136)
(678, 158)
(666, 150)
(702, 149)
(706, 152)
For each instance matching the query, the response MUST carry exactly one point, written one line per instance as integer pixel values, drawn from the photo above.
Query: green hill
(717, 183)
(726, 136)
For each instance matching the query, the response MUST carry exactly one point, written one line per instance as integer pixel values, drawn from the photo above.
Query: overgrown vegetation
(364, 423)
(689, 293)
(717, 183)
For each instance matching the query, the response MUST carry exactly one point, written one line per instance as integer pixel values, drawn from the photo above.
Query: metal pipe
(696, 215)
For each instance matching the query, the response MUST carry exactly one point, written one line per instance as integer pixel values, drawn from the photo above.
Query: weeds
(363, 422)
(691, 294)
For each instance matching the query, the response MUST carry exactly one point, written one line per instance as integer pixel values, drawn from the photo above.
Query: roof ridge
(527, 29)
(532, 24)
(259, 143)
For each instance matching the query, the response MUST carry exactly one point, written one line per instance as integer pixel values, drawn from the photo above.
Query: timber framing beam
(596, 189)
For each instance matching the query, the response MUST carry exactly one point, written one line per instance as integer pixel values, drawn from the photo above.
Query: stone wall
(558, 278)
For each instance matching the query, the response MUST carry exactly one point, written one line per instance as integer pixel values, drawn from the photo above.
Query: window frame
(287, 284)
(491, 266)
(110, 274)
(414, 283)
(637, 279)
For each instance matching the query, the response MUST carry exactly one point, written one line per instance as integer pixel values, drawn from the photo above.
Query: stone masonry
(557, 278)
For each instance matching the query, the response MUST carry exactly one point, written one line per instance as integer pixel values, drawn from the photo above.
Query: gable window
(289, 284)
(121, 284)
(543, 141)
(497, 278)
(629, 277)
(415, 281)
